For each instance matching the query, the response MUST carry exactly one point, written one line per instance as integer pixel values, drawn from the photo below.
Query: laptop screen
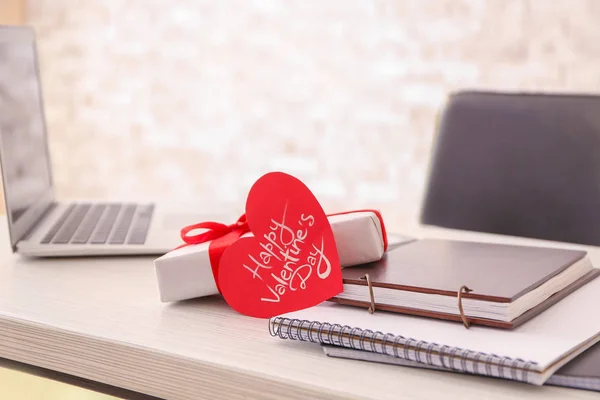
(25, 163)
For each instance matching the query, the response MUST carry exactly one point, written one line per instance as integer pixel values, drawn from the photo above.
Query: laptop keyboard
(101, 224)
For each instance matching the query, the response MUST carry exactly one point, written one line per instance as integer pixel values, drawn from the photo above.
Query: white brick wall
(195, 99)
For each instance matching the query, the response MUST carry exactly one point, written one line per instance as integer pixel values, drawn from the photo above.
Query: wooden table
(100, 319)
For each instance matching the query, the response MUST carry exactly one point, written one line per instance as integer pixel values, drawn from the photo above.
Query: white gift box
(186, 273)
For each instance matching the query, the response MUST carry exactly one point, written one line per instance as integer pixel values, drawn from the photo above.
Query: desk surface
(101, 319)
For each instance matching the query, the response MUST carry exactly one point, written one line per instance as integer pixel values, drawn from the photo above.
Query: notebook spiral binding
(465, 361)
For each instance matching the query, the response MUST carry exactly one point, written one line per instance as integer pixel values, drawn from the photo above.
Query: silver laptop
(39, 224)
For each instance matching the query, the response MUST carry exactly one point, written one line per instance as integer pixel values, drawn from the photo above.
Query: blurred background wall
(193, 100)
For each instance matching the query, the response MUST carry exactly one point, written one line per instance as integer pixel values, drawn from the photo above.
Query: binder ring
(372, 306)
(463, 289)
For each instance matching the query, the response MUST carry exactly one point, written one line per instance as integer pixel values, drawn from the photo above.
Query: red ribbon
(213, 231)
(222, 236)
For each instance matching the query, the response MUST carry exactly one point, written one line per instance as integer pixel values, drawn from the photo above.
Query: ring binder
(372, 306)
(463, 289)
(454, 358)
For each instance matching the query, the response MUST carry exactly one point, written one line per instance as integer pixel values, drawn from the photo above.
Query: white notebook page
(545, 339)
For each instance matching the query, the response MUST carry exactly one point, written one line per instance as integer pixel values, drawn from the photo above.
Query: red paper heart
(292, 261)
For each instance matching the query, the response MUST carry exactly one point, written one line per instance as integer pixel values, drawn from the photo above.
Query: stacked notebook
(527, 308)
(507, 285)
(581, 373)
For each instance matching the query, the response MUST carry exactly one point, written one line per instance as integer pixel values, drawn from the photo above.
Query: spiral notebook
(530, 353)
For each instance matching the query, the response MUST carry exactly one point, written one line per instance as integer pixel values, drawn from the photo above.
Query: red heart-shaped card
(291, 262)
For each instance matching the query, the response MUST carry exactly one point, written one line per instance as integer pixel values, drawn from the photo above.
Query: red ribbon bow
(213, 231)
(219, 235)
